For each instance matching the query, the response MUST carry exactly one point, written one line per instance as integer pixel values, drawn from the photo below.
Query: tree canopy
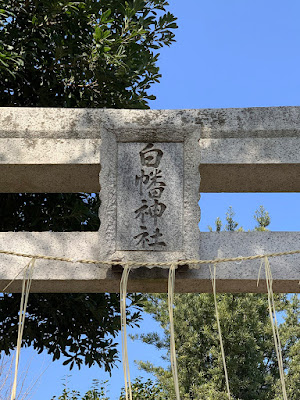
(247, 338)
(141, 390)
(60, 53)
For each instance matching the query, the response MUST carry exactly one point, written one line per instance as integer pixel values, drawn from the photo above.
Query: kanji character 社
(143, 239)
(156, 236)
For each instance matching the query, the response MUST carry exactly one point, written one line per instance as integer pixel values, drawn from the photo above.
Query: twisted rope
(171, 283)
(192, 263)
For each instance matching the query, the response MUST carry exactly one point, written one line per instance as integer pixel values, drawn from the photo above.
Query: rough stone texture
(253, 122)
(54, 123)
(52, 276)
(49, 151)
(60, 150)
(48, 165)
(150, 196)
(267, 137)
(188, 182)
(250, 151)
(253, 164)
(51, 123)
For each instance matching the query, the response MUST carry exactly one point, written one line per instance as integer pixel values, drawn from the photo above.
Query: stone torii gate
(150, 163)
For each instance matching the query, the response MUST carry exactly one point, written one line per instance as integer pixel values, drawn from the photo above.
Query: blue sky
(228, 54)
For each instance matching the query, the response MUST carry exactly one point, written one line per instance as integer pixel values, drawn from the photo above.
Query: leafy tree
(145, 390)
(97, 392)
(79, 326)
(247, 336)
(263, 219)
(290, 336)
(60, 53)
(231, 224)
(141, 390)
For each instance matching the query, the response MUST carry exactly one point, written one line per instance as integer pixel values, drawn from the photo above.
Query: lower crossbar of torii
(236, 277)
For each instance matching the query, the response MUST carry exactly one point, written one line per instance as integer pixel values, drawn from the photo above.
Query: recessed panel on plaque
(150, 196)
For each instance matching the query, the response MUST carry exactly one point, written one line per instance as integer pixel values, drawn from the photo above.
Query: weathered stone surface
(60, 150)
(267, 137)
(177, 209)
(150, 196)
(250, 150)
(49, 151)
(51, 123)
(49, 165)
(53, 276)
(263, 122)
(253, 164)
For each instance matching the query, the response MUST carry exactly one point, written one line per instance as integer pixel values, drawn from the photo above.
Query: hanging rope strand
(213, 277)
(123, 294)
(275, 330)
(171, 287)
(26, 284)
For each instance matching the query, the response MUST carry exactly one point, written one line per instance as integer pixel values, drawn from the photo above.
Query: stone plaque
(150, 196)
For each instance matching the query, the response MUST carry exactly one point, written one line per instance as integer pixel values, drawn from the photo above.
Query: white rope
(26, 284)
(123, 293)
(273, 318)
(213, 278)
(171, 285)
(193, 263)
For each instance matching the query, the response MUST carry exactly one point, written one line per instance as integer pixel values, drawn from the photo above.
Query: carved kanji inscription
(150, 196)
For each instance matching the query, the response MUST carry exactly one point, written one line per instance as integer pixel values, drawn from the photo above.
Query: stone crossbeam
(239, 150)
(54, 276)
(149, 166)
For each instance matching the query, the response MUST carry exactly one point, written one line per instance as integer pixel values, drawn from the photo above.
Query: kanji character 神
(156, 210)
(142, 211)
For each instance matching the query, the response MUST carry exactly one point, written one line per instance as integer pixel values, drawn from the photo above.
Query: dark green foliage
(60, 53)
(141, 390)
(231, 224)
(79, 326)
(39, 212)
(247, 338)
(145, 390)
(97, 392)
(263, 219)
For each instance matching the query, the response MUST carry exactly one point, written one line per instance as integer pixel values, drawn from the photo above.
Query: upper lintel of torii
(151, 164)
(234, 147)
